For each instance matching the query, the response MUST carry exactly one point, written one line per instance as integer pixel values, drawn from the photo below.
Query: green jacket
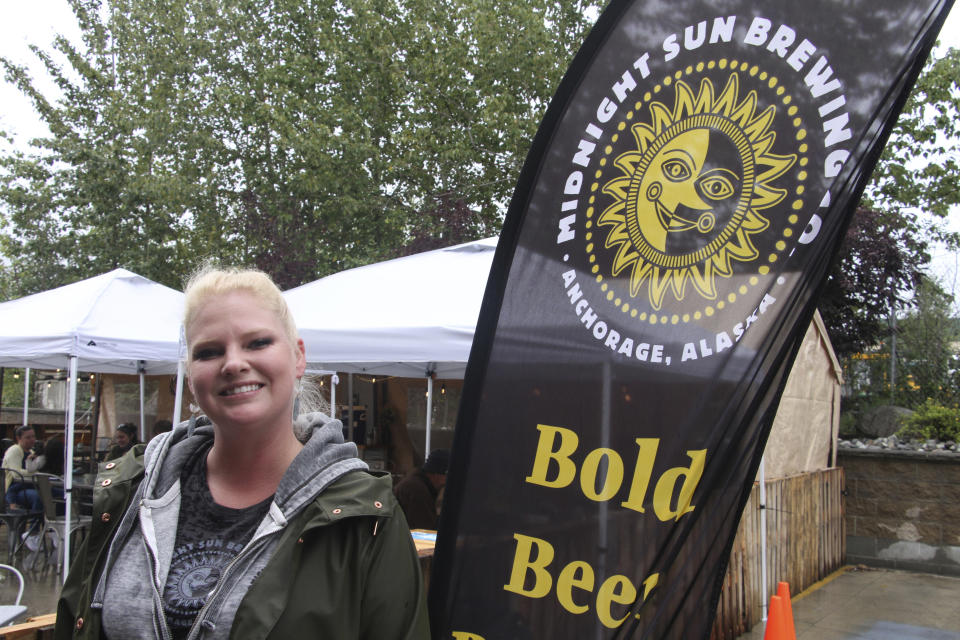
(342, 568)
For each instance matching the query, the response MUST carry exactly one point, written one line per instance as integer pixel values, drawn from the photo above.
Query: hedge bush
(933, 421)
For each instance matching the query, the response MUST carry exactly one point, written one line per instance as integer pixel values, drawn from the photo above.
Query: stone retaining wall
(903, 509)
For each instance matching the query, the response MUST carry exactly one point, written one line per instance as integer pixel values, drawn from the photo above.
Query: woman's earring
(192, 424)
(296, 399)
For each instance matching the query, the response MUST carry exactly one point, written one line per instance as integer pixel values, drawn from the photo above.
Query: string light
(16, 375)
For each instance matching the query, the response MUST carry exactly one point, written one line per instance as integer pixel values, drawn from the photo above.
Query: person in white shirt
(21, 462)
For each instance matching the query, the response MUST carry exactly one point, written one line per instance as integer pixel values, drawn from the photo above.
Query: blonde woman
(250, 522)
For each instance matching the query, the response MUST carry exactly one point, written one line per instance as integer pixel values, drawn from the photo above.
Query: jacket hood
(324, 458)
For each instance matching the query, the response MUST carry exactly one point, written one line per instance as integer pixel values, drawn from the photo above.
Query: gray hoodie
(139, 556)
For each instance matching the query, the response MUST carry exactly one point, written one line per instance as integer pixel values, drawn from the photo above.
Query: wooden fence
(806, 541)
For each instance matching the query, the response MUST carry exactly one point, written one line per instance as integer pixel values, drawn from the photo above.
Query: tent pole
(426, 451)
(141, 370)
(763, 540)
(95, 433)
(178, 401)
(334, 379)
(26, 394)
(350, 406)
(68, 471)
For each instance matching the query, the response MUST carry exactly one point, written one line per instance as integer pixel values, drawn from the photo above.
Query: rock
(883, 421)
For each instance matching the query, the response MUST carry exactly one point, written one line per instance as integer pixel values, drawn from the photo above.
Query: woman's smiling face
(242, 366)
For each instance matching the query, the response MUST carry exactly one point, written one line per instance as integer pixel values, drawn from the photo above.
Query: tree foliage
(915, 361)
(925, 355)
(919, 169)
(298, 136)
(879, 265)
(887, 246)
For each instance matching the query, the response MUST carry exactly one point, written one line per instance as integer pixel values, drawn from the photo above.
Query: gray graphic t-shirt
(209, 536)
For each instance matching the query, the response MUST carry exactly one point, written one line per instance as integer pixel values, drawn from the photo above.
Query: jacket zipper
(159, 618)
(246, 551)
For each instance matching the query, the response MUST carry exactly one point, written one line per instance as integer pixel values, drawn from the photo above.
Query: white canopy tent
(404, 317)
(411, 316)
(118, 322)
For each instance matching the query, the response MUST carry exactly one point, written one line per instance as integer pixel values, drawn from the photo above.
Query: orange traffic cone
(783, 590)
(776, 627)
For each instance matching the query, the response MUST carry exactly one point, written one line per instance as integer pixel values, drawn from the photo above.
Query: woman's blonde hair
(210, 281)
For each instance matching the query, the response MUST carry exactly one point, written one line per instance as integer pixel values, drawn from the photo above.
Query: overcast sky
(39, 21)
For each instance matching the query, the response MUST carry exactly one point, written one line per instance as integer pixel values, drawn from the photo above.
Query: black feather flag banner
(659, 264)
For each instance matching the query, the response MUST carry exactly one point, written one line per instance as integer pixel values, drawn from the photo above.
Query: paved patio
(876, 604)
(852, 604)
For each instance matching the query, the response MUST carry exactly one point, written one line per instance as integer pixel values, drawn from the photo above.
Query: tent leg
(26, 395)
(178, 401)
(350, 406)
(68, 471)
(426, 451)
(763, 540)
(334, 379)
(143, 419)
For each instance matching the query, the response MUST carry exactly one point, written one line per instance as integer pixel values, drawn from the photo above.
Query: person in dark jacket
(124, 439)
(418, 493)
(255, 520)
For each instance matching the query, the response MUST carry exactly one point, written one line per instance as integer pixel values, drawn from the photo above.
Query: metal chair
(55, 522)
(10, 612)
(15, 518)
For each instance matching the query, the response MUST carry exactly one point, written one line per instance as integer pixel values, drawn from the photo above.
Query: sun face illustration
(692, 192)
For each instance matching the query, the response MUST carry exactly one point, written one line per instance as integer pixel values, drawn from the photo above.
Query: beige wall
(805, 428)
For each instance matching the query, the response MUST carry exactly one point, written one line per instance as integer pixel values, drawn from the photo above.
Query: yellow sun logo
(691, 193)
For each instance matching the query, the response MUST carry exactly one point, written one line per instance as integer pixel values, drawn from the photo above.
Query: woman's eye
(205, 354)
(260, 343)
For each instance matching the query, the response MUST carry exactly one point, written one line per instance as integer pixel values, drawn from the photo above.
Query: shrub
(848, 425)
(934, 421)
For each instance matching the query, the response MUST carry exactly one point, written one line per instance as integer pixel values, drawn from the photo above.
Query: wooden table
(35, 628)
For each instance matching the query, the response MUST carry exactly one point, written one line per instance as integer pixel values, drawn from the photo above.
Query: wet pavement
(40, 590)
(852, 604)
(876, 604)
(41, 580)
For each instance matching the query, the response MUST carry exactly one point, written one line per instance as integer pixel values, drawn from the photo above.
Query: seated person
(21, 462)
(124, 439)
(418, 493)
(52, 459)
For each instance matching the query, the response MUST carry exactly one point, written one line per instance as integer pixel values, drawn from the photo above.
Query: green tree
(911, 191)
(921, 343)
(918, 173)
(925, 353)
(300, 137)
(879, 265)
